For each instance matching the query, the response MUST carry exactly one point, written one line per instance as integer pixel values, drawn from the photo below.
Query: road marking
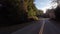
(42, 27)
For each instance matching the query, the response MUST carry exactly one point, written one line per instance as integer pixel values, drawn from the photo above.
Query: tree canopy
(18, 10)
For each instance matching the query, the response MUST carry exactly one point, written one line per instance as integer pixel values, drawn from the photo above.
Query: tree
(17, 10)
(56, 1)
(39, 12)
(32, 10)
(14, 10)
(57, 13)
(57, 10)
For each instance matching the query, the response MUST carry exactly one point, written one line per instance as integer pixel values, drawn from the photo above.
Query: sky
(44, 4)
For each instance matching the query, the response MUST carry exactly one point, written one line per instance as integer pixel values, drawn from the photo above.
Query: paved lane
(43, 26)
(51, 27)
(31, 29)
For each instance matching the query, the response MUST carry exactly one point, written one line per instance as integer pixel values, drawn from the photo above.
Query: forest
(13, 11)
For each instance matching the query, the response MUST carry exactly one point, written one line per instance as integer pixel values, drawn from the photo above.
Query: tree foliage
(57, 10)
(32, 10)
(17, 10)
(56, 1)
(39, 12)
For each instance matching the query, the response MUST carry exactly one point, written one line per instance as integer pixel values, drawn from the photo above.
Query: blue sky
(43, 4)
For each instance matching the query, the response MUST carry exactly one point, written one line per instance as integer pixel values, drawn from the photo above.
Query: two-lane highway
(51, 27)
(43, 26)
(31, 29)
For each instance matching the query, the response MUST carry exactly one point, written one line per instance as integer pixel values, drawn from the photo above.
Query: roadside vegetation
(18, 11)
(54, 13)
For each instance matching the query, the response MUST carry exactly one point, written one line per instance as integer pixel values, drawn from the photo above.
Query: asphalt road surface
(51, 27)
(31, 29)
(43, 26)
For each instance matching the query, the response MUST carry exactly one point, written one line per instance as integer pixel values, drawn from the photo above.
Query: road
(31, 29)
(51, 27)
(43, 26)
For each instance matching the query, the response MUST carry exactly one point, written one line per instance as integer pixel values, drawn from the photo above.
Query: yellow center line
(42, 27)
